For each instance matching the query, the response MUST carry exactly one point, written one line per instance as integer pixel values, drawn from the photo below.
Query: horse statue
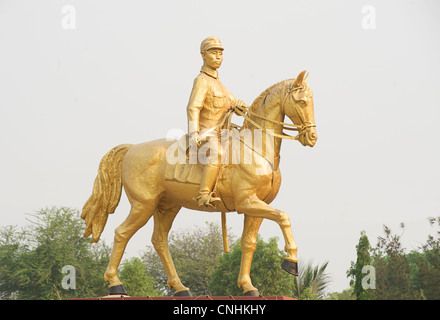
(243, 187)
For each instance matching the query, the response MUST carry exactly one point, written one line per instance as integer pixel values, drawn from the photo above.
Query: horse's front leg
(248, 245)
(254, 207)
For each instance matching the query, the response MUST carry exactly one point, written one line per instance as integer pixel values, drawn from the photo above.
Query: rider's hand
(194, 139)
(240, 105)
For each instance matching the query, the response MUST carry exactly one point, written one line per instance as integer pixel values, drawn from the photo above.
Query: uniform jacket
(209, 101)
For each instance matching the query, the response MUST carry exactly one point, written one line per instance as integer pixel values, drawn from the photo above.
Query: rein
(245, 112)
(288, 126)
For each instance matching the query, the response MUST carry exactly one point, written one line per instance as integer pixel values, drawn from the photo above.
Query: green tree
(195, 254)
(425, 265)
(356, 270)
(224, 277)
(136, 280)
(307, 294)
(399, 276)
(346, 294)
(32, 259)
(393, 281)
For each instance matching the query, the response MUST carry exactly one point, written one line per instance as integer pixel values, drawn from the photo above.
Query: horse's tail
(106, 192)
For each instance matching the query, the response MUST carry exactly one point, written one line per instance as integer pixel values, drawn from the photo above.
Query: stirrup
(206, 199)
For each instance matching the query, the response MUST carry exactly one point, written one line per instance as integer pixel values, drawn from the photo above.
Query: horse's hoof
(183, 293)
(251, 293)
(290, 266)
(117, 290)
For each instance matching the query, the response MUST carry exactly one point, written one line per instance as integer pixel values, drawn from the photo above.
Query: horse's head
(298, 106)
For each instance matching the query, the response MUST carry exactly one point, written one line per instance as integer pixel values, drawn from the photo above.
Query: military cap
(211, 43)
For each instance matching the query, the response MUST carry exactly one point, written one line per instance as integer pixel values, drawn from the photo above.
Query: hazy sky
(124, 73)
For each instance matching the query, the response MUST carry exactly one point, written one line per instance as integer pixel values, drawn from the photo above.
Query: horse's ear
(300, 78)
(306, 78)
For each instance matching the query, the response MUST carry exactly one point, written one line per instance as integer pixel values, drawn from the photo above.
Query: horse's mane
(274, 91)
(265, 93)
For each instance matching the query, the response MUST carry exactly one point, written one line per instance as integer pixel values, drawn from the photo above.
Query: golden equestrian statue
(235, 169)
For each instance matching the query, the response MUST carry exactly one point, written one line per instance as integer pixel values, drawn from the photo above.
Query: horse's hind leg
(163, 220)
(139, 215)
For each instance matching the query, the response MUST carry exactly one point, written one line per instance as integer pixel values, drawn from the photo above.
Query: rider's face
(213, 58)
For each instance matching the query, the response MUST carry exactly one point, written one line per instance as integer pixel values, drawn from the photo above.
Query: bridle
(245, 112)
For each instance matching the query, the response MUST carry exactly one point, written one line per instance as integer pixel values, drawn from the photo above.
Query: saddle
(183, 170)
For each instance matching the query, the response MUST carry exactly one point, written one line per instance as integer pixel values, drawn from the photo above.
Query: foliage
(32, 259)
(195, 254)
(347, 294)
(307, 294)
(355, 272)
(399, 275)
(393, 272)
(311, 282)
(136, 280)
(425, 265)
(224, 277)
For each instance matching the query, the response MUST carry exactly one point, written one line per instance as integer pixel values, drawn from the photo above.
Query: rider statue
(209, 102)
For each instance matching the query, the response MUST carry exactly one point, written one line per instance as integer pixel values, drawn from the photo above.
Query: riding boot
(210, 172)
